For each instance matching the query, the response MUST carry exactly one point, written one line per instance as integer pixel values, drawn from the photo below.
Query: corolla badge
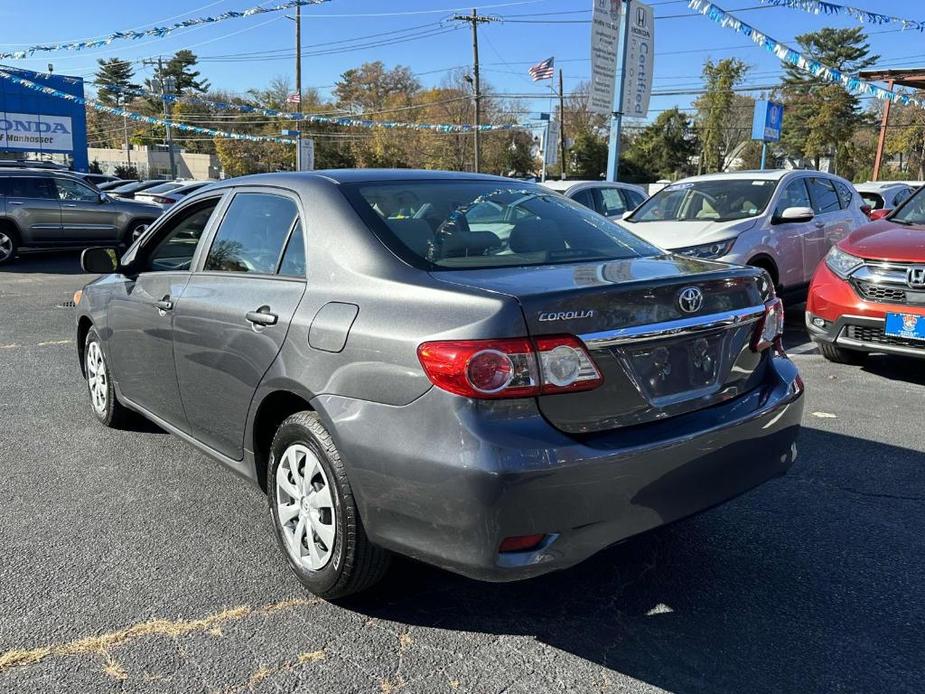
(690, 300)
(565, 315)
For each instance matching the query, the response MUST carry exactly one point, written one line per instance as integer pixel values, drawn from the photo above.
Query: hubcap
(6, 246)
(305, 508)
(97, 377)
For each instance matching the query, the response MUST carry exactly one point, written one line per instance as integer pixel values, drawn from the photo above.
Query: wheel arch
(273, 409)
(8, 225)
(766, 262)
(84, 324)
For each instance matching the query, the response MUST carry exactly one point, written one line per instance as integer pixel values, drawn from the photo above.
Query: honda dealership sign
(32, 131)
(606, 19)
(34, 123)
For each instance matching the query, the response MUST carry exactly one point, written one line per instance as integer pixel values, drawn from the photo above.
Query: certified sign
(640, 58)
(605, 29)
(33, 132)
(306, 154)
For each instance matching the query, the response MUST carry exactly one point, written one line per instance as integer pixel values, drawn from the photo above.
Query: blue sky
(238, 54)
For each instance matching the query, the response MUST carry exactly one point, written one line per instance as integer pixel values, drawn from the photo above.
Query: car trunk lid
(656, 358)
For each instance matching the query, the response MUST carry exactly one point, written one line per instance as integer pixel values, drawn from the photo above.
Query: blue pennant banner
(317, 119)
(29, 84)
(850, 82)
(830, 8)
(154, 31)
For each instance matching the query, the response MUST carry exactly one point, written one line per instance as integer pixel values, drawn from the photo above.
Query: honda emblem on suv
(915, 277)
(690, 300)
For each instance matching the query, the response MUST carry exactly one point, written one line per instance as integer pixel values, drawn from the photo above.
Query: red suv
(868, 295)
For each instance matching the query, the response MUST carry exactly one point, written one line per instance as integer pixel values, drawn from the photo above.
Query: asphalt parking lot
(131, 563)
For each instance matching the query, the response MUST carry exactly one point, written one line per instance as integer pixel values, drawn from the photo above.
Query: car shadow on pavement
(895, 368)
(46, 263)
(814, 582)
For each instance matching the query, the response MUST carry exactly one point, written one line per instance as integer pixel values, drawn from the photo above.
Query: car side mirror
(99, 260)
(794, 215)
(103, 198)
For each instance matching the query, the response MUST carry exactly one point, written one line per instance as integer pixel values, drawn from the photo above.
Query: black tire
(113, 413)
(128, 238)
(840, 355)
(9, 245)
(354, 564)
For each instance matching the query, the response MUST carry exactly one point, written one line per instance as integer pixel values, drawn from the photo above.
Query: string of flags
(318, 119)
(114, 110)
(154, 31)
(830, 8)
(788, 55)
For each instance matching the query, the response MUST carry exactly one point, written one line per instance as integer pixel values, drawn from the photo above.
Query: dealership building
(34, 125)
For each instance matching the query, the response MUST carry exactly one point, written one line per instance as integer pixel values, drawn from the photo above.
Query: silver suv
(51, 209)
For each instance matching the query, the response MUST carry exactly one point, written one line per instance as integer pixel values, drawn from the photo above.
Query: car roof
(877, 186)
(756, 174)
(562, 186)
(300, 178)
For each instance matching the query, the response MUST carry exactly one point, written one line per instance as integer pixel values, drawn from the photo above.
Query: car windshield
(482, 224)
(718, 200)
(912, 211)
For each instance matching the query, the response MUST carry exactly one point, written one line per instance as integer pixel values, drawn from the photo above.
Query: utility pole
(562, 162)
(298, 85)
(166, 84)
(474, 20)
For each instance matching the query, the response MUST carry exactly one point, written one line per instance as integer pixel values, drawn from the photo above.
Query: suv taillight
(513, 368)
(771, 326)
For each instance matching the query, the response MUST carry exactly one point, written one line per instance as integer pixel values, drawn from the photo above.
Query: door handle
(262, 316)
(164, 304)
(819, 225)
(14, 202)
(69, 204)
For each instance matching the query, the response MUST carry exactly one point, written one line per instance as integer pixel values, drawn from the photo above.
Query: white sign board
(551, 144)
(32, 132)
(640, 58)
(306, 154)
(605, 30)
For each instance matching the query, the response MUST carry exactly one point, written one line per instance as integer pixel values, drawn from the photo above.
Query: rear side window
(823, 195)
(635, 199)
(32, 187)
(293, 264)
(845, 196)
(252, 234)
(584, 197)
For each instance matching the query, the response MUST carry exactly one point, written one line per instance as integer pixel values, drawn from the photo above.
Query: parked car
(165, 197)
(881, 197)
(43, 208)
(869, 294)
(112, 184)
(781, 221)
(612, 200)
(500, 394)
(97, 179)
(127, 190)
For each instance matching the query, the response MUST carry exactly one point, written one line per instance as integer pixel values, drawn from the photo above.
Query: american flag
(294, 98)
(542, 70)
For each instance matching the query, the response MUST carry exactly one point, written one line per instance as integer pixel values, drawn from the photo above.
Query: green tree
(906, 137)
(114, 77)
(665, 147)
(179, 69)
(588, 155)
(716, 110)
(820, 118)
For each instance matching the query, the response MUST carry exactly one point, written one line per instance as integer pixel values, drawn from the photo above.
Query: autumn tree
(372, 86)
(906, 137)
(716, 110)
(821, 117)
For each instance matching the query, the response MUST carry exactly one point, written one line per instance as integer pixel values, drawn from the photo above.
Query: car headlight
(841, 263)
(708, 251)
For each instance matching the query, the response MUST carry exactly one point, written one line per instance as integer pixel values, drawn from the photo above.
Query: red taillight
(514, 368)
(771, 326)
(879, 214)
(520, 543)
(161, 201)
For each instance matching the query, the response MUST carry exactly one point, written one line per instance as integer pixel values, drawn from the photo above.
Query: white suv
(781, 221)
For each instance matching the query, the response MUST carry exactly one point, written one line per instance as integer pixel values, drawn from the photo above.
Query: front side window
(252, 233)
(716, 200)
(482, 224)
(845, 196)
(175, 251)
(794, 195)
(823, 195)
(75, 191)
(32, 187)
(613, 205)
(900, 196)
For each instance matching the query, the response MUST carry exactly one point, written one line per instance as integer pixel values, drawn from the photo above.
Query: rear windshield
(873, 200)
(163, 187)
(484, 224)
(718, 200)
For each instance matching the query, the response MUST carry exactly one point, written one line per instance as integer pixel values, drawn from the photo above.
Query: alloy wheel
(97, 378)
(305, 507)
(6, 246)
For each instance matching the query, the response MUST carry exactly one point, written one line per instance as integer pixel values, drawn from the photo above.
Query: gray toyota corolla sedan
(472, 371)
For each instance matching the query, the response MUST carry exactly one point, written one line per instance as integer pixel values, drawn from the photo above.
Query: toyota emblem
(690, 300)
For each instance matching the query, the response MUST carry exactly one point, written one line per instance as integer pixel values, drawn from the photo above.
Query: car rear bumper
(835, 314)
(445, 479)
